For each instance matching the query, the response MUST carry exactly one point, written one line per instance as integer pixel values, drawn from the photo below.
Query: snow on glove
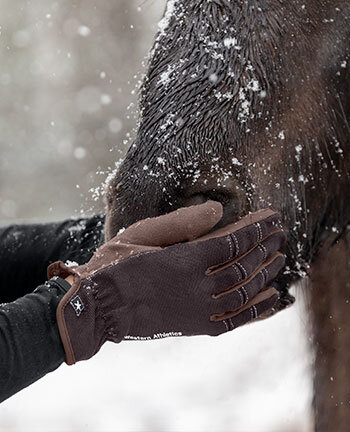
(168, 276)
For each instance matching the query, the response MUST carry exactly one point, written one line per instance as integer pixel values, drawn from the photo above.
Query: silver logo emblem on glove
(77, 305)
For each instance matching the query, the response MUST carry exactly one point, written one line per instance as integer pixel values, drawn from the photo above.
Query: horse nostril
(229, 203)
(195, 199)
(222, 197)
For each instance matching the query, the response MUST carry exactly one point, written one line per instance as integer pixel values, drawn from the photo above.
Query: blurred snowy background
(68, 80)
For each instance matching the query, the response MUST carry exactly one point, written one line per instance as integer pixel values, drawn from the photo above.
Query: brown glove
(146, 283)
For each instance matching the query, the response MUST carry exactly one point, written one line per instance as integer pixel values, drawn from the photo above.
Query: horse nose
(230, 203)
(127, 205)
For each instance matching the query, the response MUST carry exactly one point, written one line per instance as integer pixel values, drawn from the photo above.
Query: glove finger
(222, 247)
(182, 225)
(264, 302)
(239, 296)
(242, 267)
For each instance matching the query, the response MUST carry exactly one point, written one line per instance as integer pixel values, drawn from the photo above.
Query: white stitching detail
(236, 243)
(255, 310)
(224, 321)
(243, 269)
(237, 272)
(230, 320)
(246, 295)
(267, 274)
(228, 238)
(262, 248)
(257, 232)
(263, 276)
(260, 236)
(241, 296)
(251, 313)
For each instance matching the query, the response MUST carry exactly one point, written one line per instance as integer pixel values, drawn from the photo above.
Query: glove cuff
(86, 319)
(73, 299)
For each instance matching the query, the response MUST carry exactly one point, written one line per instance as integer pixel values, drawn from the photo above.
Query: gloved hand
(146, 283)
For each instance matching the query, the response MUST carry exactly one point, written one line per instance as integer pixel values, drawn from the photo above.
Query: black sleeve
(30, 344)
(27, 250)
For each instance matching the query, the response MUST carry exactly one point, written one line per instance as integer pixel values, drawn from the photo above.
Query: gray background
(68, 80)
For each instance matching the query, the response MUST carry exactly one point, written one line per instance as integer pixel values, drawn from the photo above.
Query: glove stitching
(267, 274)
(263, 250)
(242, 268)
(227, 328)
(256, 311)
(236, 243)
(239, 276)
(241, 296)
(228, 238)
(246, 295)
(260, 235)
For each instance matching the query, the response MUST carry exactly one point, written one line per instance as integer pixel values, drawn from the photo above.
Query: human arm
(27, 250)
(30, 345)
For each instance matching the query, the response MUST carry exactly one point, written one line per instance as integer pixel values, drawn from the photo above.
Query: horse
(248, 103)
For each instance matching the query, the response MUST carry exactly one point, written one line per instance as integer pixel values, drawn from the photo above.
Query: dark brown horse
(248, 103)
